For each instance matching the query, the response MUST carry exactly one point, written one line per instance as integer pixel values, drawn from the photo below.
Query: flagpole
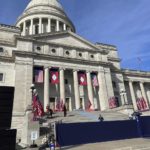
(139, 62)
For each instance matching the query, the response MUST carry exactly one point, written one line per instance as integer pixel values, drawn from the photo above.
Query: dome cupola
(43, 16)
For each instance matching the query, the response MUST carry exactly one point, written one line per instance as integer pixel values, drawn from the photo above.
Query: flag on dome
(54, 77)
(38, 76)
(94, 79)
(82, 78)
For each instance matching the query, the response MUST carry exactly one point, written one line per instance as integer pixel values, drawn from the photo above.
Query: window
(1, 49)
(1, 76)
(38, 48)
(67, 53)
(53, 51)
(36, 29)
(80, 54)
(92, 56)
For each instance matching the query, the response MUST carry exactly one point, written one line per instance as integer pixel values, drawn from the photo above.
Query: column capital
(141, 82)
(131, 81)
(88, 71)
(75, 70)
(62, 68)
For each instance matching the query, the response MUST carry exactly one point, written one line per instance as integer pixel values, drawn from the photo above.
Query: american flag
(141, 104)
(94, 80)
(112, 102)
(38, 76)
(37, 106)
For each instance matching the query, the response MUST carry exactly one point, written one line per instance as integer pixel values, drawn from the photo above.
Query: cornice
(114, 59)
(9, 28)
(106, 46)
(59, 58)
(7, 43)
(136, 73)
(36, 38)
(6, 59)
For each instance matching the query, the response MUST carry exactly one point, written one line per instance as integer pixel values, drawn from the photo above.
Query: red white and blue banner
(112, 102)
(94, 79)
(141, 104)
(82, 78)
(37, 107)
(54, 77)
(38, 75)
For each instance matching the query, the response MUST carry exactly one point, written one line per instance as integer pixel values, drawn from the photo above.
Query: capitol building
(44, 49)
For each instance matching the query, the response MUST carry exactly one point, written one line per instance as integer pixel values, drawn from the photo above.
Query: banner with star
(82, 78)
(54, 77)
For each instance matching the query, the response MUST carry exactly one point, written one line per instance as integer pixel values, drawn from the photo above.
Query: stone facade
(35, 42)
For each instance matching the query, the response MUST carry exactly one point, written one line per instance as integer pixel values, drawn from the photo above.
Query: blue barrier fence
(92, 132)
(145, 126)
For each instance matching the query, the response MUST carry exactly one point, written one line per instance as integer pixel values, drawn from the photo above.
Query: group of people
(49, 111)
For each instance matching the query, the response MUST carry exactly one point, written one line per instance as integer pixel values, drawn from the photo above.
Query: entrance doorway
(82, 103)
(52, 103)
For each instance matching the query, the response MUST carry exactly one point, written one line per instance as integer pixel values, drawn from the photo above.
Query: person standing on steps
(65, 110)
(100, 118)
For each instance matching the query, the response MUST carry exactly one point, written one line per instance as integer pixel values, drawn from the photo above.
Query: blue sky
(123, 23)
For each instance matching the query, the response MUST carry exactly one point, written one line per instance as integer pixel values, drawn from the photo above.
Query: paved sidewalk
(129, 144)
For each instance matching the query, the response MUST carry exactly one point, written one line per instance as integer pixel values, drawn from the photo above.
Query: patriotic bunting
(94, 79)
(141, 104)
(37, 107)
(38, 76)
(112, 102)
(82, 79)
(54, 77)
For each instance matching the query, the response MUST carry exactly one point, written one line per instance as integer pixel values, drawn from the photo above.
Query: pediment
(68, 39)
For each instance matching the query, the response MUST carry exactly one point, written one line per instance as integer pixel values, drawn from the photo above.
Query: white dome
(35, 3)
(41, 13)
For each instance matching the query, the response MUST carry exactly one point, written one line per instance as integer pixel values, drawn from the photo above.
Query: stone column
(90, 90)
(31, 26)
(40, 25)
(103, 96)
(64, 27)
(62, 85)
(57, 25)
(49, 25)
(133, 95)
(46, 88)
(24, 28)
(143, 92)
(76, 89)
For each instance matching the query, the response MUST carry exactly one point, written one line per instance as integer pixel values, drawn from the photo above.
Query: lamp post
(33, 90)
(123, 93)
